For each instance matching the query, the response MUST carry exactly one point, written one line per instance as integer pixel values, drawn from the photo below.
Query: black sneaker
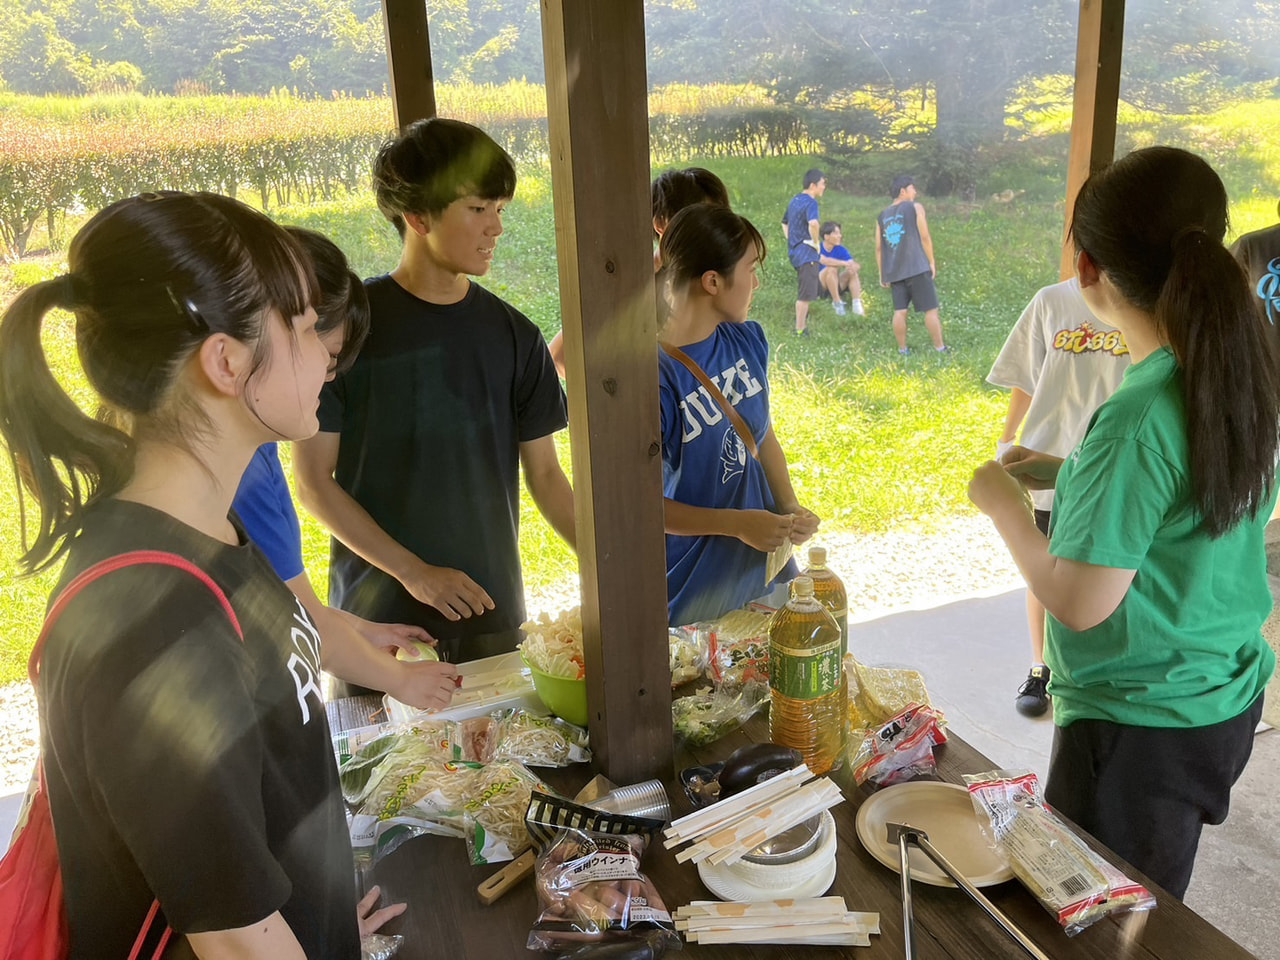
(1033, 695)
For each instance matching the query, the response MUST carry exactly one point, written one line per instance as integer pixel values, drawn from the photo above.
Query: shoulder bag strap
(86, 577)
(713, 391)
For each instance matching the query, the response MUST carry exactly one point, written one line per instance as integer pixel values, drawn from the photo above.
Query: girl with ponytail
(1154, 574)
(184, 741)
(729, 500)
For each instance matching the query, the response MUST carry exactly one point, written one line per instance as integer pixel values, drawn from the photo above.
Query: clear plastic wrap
(900, 749)
(1076, 885)
(688, 654)
(377, 946)
(538, 741)
(711, 713)
(493, 815)
(588, 878)
(738, 647)
(366, 755)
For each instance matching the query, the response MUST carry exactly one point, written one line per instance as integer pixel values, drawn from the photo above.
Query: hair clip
(188, 309)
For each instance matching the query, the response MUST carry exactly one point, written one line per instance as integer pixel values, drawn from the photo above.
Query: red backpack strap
(110, 565)
(86, 577)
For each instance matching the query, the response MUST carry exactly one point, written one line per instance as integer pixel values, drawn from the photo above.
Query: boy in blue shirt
(800, 227)
(839, 270)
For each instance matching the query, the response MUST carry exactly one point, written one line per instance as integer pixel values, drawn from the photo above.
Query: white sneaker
(856, 307)
(839, 305)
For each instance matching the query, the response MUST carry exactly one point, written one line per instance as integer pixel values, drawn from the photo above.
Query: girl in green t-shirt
(1154, 573)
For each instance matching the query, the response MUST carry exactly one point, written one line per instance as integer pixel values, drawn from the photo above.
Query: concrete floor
(974, 654)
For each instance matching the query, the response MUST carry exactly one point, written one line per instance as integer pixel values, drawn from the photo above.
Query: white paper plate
(728, 887)
(943, 811)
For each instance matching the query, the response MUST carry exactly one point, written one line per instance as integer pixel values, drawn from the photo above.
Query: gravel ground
(910, 567)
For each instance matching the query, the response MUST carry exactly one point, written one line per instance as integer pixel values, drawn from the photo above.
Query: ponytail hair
(699, 238)
(150, 278)
(1153, 221)
(343, 302)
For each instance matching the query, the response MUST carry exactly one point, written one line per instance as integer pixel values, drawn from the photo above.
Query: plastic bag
(878, 694)
(493, 816)
(366, 755)
(588, 878)
(1072, 882)
(901, 749)
(688, 654)
(710, 714)
(538, 741)
(738, 647)
(377, 946)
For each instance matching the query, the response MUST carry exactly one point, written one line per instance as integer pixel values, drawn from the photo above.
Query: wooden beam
(598, 120)
(413, 95)
(1097, 95)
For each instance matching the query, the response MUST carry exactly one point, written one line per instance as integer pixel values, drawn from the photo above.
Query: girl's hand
(994, 491)
(763, 529)
(804, 524)
(394, 636)
(1037, 471)
(428, 685)
(371, 920)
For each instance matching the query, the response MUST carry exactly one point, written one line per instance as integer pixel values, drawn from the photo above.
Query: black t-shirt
(431, 416)
(182, 763)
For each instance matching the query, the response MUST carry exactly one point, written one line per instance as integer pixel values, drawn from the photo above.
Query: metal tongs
(903, 834)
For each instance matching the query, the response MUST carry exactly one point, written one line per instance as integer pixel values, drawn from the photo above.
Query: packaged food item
(366, 755)
(710, 713)
(588, 878)
(554, 644)
(900, 749)
(493, 814)
(738, 647)
(539, 741)
(883, 692)
(475, 739)
(687, 646)
(1072, 882)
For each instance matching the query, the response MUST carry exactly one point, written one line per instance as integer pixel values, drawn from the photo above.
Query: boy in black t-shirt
(416, 468)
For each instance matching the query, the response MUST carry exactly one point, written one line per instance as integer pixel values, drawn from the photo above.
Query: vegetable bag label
(805, 674)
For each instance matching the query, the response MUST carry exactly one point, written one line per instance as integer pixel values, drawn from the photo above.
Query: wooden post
(413, 95)
(1097, 96)
(597, 111)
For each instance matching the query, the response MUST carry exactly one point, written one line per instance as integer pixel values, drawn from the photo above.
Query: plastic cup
(645, 799)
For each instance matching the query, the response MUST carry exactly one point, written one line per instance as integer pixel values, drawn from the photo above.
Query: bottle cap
(817, 556)
(802, 587)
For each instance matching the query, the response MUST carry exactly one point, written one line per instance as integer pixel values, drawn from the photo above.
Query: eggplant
(752, 764)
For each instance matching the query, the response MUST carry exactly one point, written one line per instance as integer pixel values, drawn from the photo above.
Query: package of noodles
(538, 741)
(900, 749)
(1076, 885)
(493, 816)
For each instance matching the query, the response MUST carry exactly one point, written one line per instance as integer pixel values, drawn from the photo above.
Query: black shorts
(1042, 520)
(918, 290)
(807, 284)
(1145, 792)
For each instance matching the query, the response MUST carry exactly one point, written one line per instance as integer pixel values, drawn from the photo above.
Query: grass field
(874, 439)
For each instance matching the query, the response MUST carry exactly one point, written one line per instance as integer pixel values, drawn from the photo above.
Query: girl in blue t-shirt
(729, 499)
(355, 649)
(1154, 576)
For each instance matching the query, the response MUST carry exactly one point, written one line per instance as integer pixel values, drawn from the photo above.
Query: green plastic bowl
(563, 696)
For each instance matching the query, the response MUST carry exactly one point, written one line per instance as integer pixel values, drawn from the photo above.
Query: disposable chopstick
(700, 821)
(748, 908)
(760, 825)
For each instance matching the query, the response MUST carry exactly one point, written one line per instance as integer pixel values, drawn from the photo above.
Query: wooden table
(445, 919)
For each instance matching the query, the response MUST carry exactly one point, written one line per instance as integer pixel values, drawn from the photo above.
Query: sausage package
(588, 878)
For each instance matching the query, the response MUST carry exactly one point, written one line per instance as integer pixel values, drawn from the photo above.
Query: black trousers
(1146, 792)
